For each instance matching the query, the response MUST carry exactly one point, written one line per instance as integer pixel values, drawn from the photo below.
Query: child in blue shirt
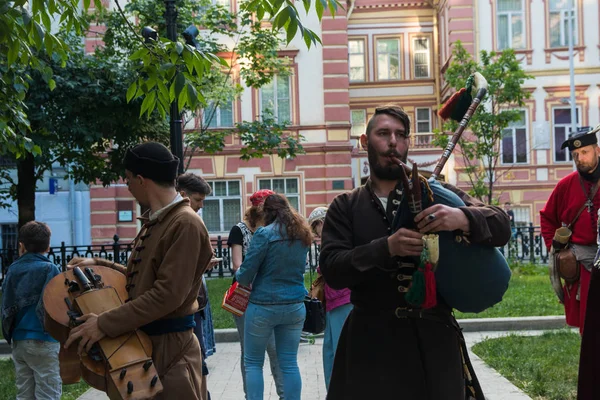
(34, 351)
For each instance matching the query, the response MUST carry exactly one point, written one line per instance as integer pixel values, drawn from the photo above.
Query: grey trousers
(37, 369)
(275, 370)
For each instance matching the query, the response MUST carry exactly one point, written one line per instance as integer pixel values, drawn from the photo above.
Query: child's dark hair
(35, 236)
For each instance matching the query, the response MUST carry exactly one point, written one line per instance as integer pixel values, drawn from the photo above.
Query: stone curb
(468, 325)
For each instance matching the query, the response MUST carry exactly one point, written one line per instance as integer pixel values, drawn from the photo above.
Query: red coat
(562, 206)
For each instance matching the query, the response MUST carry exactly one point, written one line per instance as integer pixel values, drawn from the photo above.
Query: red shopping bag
(236, 299)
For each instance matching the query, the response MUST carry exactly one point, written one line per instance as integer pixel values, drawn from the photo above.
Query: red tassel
(430, 287)
(447, 109)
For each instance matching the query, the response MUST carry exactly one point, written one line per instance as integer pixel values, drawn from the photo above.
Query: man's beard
(387, 173)
(586, 169)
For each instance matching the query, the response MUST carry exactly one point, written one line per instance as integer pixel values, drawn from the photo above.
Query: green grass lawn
(8, 390)
(529, 294)
(545, 367)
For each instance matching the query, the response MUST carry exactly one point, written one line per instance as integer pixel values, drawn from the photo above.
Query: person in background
(34, 351)
(196, 189)
(337, 304)
(511, 216)
(274, 266)
(573, 192)
(239, 241)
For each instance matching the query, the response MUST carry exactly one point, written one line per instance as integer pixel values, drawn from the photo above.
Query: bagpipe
(121, 366)
(470, 277)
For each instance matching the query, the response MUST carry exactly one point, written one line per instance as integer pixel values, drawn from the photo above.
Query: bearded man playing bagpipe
(401, 340)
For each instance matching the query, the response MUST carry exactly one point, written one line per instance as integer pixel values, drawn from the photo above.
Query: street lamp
(176, 129)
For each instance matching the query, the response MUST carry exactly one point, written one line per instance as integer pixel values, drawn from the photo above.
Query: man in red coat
(569, 196)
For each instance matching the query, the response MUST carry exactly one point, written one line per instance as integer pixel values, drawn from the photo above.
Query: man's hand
(405, 242)
(89, 333)
(441, 218)
(81, 262)
(88, 262)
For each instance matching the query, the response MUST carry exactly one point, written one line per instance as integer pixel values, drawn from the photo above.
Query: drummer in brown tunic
(164, 274)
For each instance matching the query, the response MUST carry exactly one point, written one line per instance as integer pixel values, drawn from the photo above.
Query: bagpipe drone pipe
(470, 277)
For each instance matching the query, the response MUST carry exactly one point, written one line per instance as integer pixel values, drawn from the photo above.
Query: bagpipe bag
(470, 277)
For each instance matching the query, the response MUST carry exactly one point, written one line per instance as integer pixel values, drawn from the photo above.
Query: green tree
(255, 56)
(479, 149)
(84, 125)
(25, 38)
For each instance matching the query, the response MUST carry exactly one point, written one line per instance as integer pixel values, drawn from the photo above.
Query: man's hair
(35, 236)
(192, 184)
(394, 112)
(507, 203)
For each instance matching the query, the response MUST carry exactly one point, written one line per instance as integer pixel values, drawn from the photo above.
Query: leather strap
(592, 194)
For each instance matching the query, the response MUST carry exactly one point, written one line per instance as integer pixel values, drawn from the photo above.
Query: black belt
(171, 325)
(405, 312)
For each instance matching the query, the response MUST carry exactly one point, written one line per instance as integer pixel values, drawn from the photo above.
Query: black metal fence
(526, 245)
(119, 252)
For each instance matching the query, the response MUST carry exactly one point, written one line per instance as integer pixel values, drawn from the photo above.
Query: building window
(421, 57)
(218, 117)
(222, 208)
(276, 97)
(388, 59)
(423, 134)
(285, 186)
(511, 28)
(560, 12)
(514, 142)
(356, 60)
(522, 216)
(561, 121)
(359, 122)
(8, 236)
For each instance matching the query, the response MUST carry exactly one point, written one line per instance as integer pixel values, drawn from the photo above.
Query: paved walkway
(225, 380)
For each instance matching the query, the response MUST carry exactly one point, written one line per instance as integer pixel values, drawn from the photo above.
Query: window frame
(217, 117)
(510, 33)
(400, 39)
(364, 113)
(564, 40)
(213, 197)
(414, 52)
(259, 180)
(567, 127)
(276, 99)
(365, 59)
(514, 139)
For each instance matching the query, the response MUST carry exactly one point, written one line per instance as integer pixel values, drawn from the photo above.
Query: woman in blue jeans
(274, 266)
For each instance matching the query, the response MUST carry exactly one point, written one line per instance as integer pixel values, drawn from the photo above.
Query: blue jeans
(275, 370)
(335, 320)
(285, 321)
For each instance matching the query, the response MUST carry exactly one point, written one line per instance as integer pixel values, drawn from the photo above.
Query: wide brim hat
(585, 136)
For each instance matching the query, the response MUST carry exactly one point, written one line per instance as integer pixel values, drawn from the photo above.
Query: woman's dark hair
(277, 209)
(253, 216)
(35, 236)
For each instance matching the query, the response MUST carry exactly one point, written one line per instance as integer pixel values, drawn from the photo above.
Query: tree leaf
(131, 91)
(179, 84)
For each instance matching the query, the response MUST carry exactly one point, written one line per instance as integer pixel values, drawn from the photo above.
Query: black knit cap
(153, 161)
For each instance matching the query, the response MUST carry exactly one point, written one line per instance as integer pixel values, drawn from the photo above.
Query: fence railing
(526, 245)
(120, 252)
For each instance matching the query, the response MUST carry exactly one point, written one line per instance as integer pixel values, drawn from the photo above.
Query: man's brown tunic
(387, 350)
(164, 274)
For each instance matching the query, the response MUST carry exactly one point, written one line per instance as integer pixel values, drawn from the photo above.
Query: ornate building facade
(383, 51)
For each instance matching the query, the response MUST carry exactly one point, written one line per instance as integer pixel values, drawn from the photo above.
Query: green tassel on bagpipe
(422, 292)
